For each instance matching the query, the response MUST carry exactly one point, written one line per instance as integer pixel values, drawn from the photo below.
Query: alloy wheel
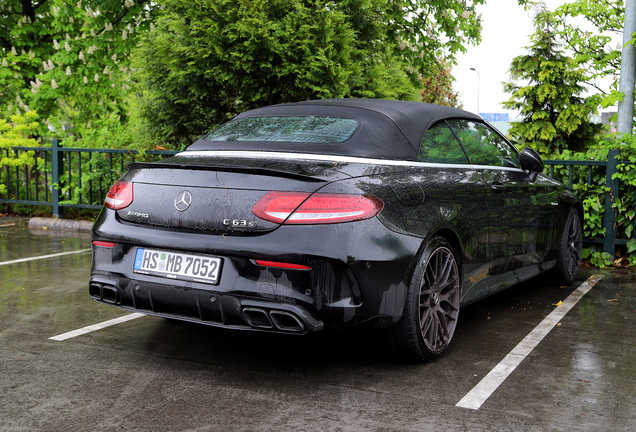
(439, 299)
(574, 245)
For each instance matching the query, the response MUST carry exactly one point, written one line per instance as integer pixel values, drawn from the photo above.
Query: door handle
(497, 187)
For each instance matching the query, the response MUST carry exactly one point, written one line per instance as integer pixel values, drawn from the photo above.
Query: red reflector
(120, 195)
(282, 265)
(319, 208)
(104, 243)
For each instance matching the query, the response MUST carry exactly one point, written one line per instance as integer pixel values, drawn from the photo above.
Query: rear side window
(483, 145)
(301, 129)
(440, 146)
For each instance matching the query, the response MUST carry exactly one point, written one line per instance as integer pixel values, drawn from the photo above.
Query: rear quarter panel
(424, 201)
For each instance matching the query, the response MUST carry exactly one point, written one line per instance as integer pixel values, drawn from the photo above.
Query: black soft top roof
(389, 129)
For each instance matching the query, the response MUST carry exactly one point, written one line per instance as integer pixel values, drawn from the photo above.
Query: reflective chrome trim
(497, 168)
(334, 158)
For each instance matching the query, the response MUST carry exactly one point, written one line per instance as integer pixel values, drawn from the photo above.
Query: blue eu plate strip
(139, 258)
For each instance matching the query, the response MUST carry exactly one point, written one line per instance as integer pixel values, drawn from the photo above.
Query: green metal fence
(80, 178)
(68, 177)
(611, 167)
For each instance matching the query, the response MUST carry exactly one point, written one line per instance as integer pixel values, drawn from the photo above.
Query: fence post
(609, 245)
(56, 171)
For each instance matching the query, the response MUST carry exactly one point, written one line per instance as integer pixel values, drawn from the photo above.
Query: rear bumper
(360, 275)
(204, 307)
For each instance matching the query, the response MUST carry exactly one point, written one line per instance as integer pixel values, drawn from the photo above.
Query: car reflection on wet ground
(151, 373)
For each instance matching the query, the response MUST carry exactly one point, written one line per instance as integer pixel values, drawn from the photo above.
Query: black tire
(569, 255)
(432, 305)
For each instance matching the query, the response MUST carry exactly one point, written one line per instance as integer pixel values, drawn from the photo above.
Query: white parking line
(99, 326)
(486, 387)
(42, 257)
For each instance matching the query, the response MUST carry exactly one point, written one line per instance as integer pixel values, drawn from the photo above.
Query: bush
(592, 189)
(13, 133)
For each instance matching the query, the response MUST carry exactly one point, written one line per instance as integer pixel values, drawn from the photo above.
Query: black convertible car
(352, 212)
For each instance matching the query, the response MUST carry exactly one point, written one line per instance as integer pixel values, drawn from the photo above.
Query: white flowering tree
(428, 34)
(69, 60)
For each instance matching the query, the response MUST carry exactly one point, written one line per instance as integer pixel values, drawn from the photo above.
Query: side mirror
(531, 161)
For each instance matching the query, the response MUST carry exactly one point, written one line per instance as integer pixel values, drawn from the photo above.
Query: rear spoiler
(223, 168)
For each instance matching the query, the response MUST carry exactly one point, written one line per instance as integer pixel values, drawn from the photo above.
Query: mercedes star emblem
(183, 200)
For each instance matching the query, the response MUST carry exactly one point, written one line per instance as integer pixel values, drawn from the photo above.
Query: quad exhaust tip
(95, 291)
(105, 293)
(281, 320)
(110, 294)
(286, 321)
(257, 317)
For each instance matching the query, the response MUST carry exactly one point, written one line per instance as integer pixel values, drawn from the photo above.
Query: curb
(60, 224)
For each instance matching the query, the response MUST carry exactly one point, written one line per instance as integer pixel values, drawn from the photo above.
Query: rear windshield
(302, 129)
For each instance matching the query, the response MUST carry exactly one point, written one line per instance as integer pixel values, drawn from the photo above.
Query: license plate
(180, 266)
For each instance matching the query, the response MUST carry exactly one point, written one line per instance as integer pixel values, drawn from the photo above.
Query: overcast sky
(506, 30)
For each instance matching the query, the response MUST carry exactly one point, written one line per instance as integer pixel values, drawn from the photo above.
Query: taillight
(120, 195)
(277, 206)
(319, 208)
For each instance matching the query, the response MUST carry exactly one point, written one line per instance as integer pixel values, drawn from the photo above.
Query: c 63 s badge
(239, 224)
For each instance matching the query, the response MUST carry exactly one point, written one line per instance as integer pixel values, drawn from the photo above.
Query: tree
(555, 115)
(70, 59)
(428, 34)
(13, 134)
(597, 51)
(438, 87)
(208, 61)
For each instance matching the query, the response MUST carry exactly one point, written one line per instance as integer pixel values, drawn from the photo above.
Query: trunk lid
(216, 195)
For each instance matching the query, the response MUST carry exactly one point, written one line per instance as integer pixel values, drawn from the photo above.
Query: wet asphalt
(162, 375)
